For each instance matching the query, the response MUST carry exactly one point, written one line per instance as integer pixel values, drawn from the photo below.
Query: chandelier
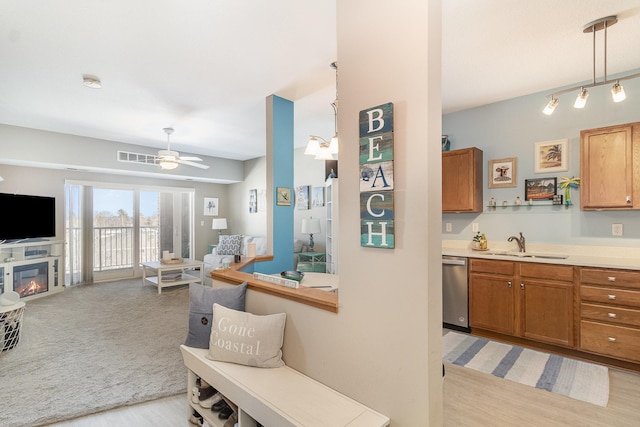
(617, 91)
(317, 145)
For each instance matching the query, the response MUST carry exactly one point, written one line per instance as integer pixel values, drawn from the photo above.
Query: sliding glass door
(123, 227)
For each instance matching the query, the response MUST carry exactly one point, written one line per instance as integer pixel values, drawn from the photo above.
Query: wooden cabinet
(610, 312)
(462, 180)
(610, 167)
(547, 301)
(491, 295)
(529, 300)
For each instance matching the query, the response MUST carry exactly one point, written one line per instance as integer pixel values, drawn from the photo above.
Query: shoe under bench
(280, 397)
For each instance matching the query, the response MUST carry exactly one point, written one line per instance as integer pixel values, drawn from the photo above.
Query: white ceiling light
(91, 82)
(553, 103)
(317, 145)
(617, 91)
(581, 99)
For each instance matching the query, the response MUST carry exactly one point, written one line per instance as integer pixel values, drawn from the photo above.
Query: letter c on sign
(371, 212)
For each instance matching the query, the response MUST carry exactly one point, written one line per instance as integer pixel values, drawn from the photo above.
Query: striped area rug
(579, 380)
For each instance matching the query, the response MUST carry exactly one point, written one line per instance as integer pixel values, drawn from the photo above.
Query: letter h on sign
(376, 177)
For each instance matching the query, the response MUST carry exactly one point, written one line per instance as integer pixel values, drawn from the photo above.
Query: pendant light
(617, 91)
(317, 145)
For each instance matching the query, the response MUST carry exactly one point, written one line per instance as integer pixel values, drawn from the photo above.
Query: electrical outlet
(201, 223)
(448, 227)
(616, 229)
(475, 227)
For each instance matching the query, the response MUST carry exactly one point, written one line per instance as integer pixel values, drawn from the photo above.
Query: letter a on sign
(376, 177)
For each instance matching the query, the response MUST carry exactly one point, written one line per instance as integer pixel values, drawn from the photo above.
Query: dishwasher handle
(454, 261)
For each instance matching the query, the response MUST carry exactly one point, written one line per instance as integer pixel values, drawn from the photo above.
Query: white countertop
(585, 256)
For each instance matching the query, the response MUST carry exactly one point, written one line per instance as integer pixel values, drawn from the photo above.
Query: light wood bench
(275, 397)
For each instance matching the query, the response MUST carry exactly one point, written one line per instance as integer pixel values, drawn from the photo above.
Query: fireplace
(31, 279)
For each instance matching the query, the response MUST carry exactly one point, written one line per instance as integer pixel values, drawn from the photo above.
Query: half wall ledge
(309, 296)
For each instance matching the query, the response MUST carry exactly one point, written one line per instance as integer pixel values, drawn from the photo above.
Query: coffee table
(172, 274)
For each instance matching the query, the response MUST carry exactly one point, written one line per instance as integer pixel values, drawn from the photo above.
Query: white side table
(10, 325)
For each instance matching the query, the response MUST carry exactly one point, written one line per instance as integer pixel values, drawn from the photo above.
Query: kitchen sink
(536, 255)
(542, 255)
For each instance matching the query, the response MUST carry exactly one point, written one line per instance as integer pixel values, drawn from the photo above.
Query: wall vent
(129, 157)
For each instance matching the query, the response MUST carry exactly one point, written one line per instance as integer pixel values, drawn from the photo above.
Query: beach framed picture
(551, 156)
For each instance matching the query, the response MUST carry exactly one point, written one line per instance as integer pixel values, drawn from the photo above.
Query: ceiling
(205, 67)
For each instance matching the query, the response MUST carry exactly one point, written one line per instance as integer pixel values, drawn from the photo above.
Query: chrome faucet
(520, 242)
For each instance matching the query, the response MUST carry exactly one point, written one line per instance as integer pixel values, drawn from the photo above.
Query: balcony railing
(113, 247)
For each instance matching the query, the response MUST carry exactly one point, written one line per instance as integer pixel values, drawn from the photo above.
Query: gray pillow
(229, 245)
(201, 300)
(246, 339)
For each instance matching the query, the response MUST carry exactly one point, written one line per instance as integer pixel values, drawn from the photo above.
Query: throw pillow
(246, 339)
(201, 300)
(229, 245)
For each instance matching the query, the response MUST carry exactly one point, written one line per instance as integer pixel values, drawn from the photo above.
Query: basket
(172, 261)
(10, 326)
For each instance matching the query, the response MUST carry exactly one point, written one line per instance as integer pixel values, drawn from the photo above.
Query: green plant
(479, 237)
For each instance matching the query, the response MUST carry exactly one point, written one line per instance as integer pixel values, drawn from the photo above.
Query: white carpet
(579, 380)
(93, 348)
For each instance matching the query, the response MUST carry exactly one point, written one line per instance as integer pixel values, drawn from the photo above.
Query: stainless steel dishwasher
(455, 293)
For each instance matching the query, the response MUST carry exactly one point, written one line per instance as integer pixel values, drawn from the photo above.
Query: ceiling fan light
(168, 164)
(617, 93)
(551, 106)
(312, 146)
(581, 100)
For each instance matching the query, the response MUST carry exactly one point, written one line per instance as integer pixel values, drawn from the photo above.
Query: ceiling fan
(168, 159)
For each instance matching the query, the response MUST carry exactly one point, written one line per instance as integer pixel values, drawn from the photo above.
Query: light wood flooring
(471, 398)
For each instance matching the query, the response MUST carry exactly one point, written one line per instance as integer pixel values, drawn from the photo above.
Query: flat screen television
(26, 217)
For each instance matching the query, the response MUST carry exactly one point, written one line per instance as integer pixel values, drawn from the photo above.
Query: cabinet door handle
(521, 285)
(613, 315)
(612, 339)
(611, 297)
(508, 284)
(628, 199)
(611, 278)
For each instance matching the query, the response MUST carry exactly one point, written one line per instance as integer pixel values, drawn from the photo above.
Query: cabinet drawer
(628, 279)
(610, 314)
(610, 296)
(492, 266)
(562, 273)
(617, 341)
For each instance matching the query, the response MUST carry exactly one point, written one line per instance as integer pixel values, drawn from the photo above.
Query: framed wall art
(283, 196)
(551, 156)
(503, 173)
(302, 197)
(211, 206)
(253, 200)
(540, 188)
(317, 198)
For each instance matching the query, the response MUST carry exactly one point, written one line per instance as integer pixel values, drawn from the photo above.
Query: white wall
(383, 347)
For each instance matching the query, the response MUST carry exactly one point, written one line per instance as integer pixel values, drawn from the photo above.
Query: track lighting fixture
(617, 91)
